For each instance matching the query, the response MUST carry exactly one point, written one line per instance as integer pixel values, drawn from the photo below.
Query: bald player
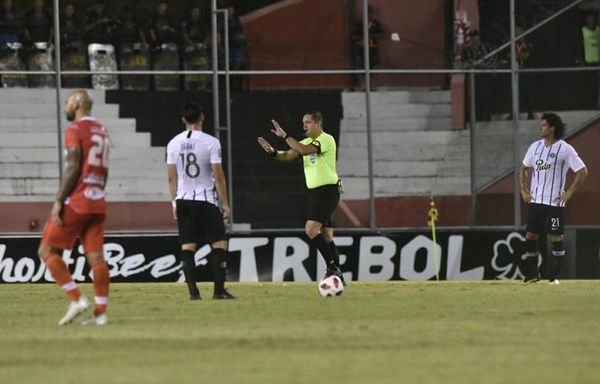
(79, 209)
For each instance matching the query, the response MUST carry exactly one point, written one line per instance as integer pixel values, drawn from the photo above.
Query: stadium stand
(29, 157)
(416, 152)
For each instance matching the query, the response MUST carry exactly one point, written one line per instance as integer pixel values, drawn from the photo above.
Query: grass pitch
(380, 332)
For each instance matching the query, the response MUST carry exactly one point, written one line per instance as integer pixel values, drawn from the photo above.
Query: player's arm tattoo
(71, 173)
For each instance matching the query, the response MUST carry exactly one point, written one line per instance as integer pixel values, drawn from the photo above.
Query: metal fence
(489, 140)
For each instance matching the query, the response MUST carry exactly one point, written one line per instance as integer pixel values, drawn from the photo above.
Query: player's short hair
(316, 115)
(192, 113)
(555, 122)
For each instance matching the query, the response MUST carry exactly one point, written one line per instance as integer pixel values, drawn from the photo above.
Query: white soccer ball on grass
(331, 286)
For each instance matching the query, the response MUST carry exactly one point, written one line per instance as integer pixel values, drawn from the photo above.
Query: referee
(318, 151)
(197, 184)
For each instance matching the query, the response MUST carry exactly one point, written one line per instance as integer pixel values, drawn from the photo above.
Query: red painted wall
(405, 211)
(315, 34)
(298, 34)
(421, 46)
(31, 216)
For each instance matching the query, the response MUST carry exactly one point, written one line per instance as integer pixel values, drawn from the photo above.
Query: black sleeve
(317, 145)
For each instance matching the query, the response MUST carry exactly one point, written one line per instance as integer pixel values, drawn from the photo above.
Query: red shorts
(89, 227)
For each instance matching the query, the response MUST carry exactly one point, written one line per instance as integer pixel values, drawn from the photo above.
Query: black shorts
(545, 218)
(322, 201)
(199, 222)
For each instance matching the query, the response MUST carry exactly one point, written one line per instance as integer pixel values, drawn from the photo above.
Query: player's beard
(70, 115)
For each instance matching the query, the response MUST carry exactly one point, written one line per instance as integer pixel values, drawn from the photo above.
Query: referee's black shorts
(322, 201)
(199, 222)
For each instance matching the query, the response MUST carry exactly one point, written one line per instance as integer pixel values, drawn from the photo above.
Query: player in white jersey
(197, 184)
(543, 175)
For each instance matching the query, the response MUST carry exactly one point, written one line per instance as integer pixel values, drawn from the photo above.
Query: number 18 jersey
(93, 140)
(193, 152)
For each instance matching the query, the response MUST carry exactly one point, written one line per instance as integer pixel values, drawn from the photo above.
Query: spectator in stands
(38, 24)
(589, 55)
(590, 41)
(128, 32)
(237, 44)
(526, 86)
(472, 57)
(375, 33)
(99, 25)
(194, 30)
(162, 28)
(10, 24)
(70, 27)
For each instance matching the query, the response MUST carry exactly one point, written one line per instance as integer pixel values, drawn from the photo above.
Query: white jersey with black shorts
(198, 215)
(550, 166)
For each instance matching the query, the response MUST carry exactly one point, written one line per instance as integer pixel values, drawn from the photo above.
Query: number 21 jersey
(93, 140)
(193, 152)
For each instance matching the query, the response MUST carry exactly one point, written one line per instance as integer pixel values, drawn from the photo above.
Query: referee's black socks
(218, 266)
(321, 244)
(334, 253)
(189, 271)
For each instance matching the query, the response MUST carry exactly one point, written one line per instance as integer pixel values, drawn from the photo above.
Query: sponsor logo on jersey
(541, 165)
(93, 178)
(313, 158)
(93, 193)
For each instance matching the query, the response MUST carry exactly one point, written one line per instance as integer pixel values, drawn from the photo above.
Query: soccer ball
(331, 286)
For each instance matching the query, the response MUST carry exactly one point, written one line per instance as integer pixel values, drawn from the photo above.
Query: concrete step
(353, 168)
(358, 187)
(118, 139)
(49, 110)
(134, 155)
(401, 111)
(400, 152)
(397, 124)
(119, 169)
(384, 139)
(49, 186)
(425, 96)
(42, 124)
(43, 95)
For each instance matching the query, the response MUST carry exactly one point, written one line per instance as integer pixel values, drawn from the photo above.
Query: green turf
(384, 332)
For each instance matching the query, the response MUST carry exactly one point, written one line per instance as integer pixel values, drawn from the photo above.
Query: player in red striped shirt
(80, 209)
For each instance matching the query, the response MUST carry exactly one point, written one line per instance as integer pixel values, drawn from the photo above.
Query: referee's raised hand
(277, 130)
(266, 146)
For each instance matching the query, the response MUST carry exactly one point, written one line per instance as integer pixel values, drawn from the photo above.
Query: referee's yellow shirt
(319, 167)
